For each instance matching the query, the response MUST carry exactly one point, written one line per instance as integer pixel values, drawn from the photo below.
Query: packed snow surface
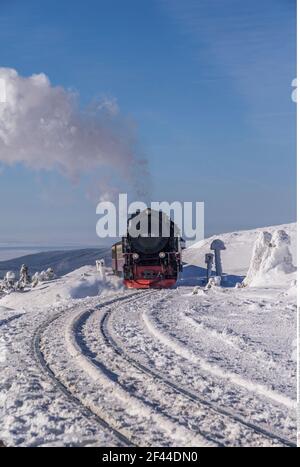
(85, 363)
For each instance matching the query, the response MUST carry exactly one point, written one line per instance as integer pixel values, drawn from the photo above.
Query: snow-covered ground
(84, 362)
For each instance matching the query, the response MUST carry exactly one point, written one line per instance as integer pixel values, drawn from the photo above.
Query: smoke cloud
(43, 128)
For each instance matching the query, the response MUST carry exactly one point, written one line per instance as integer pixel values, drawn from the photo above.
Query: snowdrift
(81, 283)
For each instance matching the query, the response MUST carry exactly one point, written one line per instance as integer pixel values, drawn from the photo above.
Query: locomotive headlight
(135, 256)
(162, 255)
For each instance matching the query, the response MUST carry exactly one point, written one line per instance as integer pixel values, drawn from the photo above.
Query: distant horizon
(35, 248)
(7, 244)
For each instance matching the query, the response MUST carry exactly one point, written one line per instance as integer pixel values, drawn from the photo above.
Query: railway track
(126, 439)
(183, 391)
(5, 321)
(96, 368)
(85, 409)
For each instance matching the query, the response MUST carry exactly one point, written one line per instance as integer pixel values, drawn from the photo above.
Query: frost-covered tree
(50, 274)
(279, 257)
(260, 250)
(271, 255)
(9, 282)
(43, 276)
(100, 266)
(25, 278)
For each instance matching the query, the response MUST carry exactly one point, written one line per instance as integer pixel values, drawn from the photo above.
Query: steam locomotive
(149, 255)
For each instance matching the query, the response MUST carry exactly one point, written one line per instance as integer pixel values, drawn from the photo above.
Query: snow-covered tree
(271, 255)
(100, 266)
(9, 282)
(279, 257)
(260, 250)
(25, 278)
(43, 276)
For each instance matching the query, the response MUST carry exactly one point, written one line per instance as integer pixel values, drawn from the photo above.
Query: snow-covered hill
(62, 262)
(239, 245)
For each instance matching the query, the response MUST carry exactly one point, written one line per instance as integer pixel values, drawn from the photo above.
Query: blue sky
(206, 83)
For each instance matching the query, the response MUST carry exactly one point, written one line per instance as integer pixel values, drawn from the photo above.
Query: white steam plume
(42, 127)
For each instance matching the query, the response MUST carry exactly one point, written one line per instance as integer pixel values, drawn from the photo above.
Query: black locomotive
(149, 255)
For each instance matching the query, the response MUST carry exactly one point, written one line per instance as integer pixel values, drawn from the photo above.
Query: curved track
(86, 411)
(110, 341)
(93, 364)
